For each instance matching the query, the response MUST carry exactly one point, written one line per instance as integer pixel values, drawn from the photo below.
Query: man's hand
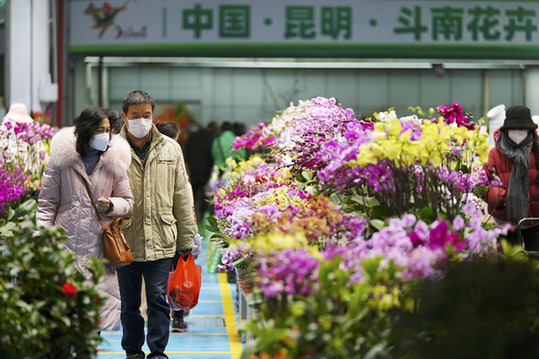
(185, 253)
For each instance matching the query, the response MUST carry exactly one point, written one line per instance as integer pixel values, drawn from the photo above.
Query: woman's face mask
(100, 141)
(517, 135)
(140, 127)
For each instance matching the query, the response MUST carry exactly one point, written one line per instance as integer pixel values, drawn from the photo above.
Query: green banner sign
(307, 28)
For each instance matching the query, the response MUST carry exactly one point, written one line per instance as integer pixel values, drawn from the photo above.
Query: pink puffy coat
(64, 202)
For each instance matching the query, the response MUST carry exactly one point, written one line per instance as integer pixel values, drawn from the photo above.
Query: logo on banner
(103, 16)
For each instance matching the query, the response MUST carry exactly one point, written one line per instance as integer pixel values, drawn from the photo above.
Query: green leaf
(426, 214)
(378, 224)
(336, 198)
(7, 229)
(378, 212)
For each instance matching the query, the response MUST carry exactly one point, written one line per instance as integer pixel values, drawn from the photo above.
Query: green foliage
(339, 320)
(216, 234)
(480, 191)
(49, 308)
(307, 178)
(17, 212)
(487, 308)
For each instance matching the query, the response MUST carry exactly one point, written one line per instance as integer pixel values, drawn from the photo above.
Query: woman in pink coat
(88, 153)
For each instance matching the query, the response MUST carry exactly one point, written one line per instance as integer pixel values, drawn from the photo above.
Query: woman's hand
(494, 174)
(104, 204)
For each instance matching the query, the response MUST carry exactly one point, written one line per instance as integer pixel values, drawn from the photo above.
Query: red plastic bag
(184, 284)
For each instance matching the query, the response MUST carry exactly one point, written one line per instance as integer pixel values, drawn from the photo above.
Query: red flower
(69, 289)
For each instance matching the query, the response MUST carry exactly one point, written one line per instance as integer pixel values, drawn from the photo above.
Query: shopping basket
(521, 240)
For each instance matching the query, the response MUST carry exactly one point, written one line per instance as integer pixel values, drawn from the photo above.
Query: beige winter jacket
(162, 221)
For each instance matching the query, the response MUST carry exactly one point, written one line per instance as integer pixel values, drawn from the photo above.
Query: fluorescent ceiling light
(307, 63)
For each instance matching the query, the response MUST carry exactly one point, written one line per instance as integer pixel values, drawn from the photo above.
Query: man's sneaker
(179, 325)
(183, 326)
(135, 356)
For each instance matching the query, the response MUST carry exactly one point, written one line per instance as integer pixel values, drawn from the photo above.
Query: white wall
(252, 95)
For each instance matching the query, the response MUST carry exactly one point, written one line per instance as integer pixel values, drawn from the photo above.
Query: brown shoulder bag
(115, 246)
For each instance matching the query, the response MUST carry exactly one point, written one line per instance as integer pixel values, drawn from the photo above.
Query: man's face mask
(140, 127)
(518, 135)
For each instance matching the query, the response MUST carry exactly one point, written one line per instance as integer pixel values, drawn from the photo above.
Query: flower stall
(23, 159)
(337, 218)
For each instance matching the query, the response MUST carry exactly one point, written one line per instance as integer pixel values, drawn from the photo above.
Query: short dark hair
(86, 125)
(137, 97)
(168, 128)
(213, 126)
(227, 126)
(116, 120)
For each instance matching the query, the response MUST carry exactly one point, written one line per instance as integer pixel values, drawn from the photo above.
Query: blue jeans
(155, 275)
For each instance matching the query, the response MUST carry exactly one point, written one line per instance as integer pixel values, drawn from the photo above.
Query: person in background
(239, 128)
(87, 154)
(116, 121)
(18, 113)
(222, 146)
(170, 129)
(162, 224)
(179, 325)
(199, 163)
(512, 169)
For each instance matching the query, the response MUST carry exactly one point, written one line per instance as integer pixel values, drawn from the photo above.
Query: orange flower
(281, 355)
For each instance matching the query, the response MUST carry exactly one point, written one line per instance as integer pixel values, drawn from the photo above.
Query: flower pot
(244, 281)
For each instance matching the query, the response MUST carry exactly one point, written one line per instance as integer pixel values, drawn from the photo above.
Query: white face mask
(518, 135)
(100, 142)
(140, 127)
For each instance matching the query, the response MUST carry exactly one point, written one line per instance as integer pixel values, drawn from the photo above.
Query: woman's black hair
(86, 125)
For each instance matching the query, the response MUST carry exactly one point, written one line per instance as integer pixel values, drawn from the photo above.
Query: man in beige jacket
(161, 224)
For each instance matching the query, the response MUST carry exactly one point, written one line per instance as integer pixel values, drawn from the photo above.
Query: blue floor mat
(207, 337)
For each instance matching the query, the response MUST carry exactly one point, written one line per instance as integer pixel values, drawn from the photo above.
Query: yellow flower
(276, 241)
(393, 128)
(392, 150)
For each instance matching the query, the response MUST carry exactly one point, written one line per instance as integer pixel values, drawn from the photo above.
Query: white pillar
(27, 52)
(532, 90)
(40, 51)
(496, 118)
(18, 52)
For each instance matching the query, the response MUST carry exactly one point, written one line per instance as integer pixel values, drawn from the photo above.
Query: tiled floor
(212, 324)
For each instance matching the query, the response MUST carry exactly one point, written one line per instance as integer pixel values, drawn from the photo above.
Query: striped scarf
(518, 195)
